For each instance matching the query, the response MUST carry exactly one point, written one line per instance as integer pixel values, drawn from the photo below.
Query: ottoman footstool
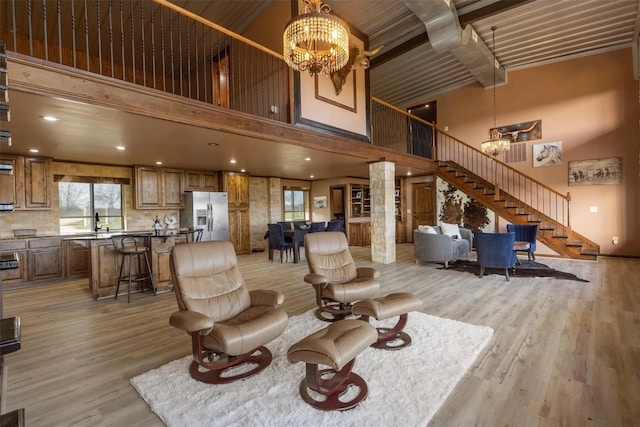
(396, 304)
(336, 346)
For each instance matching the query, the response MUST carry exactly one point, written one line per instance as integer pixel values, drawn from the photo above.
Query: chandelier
(316, 41)
(496, 144)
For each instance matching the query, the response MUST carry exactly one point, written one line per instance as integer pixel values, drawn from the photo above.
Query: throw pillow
(427, 229)
(451, 230)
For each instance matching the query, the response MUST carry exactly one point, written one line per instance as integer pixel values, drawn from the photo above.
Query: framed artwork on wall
(320, 202)
(595, 172)
(547, 154)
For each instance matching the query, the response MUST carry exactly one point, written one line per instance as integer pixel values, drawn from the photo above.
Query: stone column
(383, 218)
(275, 200)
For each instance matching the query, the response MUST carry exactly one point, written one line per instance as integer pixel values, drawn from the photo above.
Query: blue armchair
(526, 233)
(495, 250)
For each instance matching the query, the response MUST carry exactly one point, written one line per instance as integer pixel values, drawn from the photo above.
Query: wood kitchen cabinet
(15, 275)
(200, 180)
(237, 187)
(29, 187)
(157, 188)
(76, 259)
(45, 259)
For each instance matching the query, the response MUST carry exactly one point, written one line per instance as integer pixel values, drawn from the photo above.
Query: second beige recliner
(338, 283)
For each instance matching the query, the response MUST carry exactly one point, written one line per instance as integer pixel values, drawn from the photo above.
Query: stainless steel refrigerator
(207, 211)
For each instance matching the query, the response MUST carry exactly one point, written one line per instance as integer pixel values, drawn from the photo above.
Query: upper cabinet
(157, 188)
(29, 186)
(200, 180)
(237, 187)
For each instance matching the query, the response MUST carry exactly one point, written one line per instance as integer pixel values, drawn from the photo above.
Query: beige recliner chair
(334, 276)
(229, 325)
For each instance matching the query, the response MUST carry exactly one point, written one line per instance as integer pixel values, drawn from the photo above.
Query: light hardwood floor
(564, 353)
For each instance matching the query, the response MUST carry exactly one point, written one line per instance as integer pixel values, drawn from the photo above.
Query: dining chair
(525, 233)
(286, 225)
(316, 227)
(335, 225)
(277, 242)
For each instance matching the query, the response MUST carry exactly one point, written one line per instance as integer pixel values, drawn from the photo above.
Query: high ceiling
(405, 73)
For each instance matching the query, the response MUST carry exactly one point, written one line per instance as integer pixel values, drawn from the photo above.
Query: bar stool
(128, 247)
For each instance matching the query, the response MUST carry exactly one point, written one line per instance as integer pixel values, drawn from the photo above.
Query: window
(296, 205)
(80, 202)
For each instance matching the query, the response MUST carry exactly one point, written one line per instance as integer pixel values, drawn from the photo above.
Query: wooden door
(172, 188)
(148, 188)
(38, 181)
(423, 202)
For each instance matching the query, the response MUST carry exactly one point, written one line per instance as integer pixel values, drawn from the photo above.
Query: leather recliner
(333, 274)
(229, 325)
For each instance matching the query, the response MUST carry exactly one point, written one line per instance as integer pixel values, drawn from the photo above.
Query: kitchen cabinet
(37, 183)
(76, 259)
(44, 260)
(12, 185)
(237, 187)
(15, 275)
(29, 187)
(157, 188)
(160, 260)
(200, 180)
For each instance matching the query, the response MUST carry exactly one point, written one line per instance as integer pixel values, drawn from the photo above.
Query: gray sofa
(440, 247)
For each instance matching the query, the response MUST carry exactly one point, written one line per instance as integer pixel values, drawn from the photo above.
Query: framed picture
(595, 172)
(547, 154)
(320, 202)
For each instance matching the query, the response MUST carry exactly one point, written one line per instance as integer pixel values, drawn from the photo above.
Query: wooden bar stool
(128, 247)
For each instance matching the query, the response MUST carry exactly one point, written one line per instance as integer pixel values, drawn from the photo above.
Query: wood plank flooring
(564, 353)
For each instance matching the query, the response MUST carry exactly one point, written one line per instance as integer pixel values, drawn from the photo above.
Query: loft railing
(155, 44)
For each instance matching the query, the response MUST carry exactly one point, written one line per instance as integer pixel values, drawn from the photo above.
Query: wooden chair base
(397, 342)
(221, 371)
(335, 396)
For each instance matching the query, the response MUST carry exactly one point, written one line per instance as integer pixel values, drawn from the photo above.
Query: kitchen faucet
(98, 226)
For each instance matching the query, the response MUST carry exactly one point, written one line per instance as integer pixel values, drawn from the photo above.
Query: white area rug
(406, 387)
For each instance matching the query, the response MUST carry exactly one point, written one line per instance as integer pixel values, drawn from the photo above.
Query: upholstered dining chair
(335, 225)
(526, 233)
(495, 250)
(333, 274)
(277, 241)
(229, 325)
(317, 227)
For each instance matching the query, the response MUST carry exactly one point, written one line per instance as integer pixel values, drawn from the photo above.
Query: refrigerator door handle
(209, 217)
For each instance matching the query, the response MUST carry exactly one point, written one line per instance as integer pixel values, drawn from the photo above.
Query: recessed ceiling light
(158, 162)
(213, 144)
(409, 173)
(121, 147)
(34, 150)
(243, 170)
(50, 118)
(310, 176)
(232, 161)
(308, 159)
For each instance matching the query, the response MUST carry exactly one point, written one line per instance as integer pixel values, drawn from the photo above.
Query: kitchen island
(104, 261)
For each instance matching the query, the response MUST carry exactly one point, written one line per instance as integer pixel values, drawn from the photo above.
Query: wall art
(547, 154)
(520, 131)
(595, 172)
(320, 202)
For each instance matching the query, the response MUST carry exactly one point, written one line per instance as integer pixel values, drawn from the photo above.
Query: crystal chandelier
(316, 41)
(496, 144)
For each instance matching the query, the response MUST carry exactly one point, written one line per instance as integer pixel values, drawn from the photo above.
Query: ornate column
(383, 218)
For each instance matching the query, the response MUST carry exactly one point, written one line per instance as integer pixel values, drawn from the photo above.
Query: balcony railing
(157, 45)
(148, 43)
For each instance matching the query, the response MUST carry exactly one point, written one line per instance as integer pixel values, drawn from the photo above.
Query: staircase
(513, 196)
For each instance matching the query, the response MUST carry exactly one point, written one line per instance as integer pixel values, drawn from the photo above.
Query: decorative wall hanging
(320, 202)
(547, 154)
(456, 207)
(595, 172)
(526, 131)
